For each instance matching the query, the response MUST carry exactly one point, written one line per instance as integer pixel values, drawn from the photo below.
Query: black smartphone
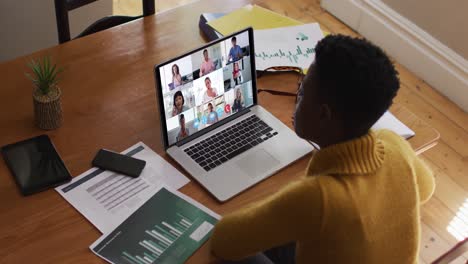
(116, 162)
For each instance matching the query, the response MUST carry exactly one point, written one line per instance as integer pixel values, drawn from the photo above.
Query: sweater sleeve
(424, 180)
(423, 175)
(290, 214)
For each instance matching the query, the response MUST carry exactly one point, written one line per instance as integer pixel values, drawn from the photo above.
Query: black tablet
(35, 164)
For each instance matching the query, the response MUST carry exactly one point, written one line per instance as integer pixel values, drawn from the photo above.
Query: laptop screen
(201, 88)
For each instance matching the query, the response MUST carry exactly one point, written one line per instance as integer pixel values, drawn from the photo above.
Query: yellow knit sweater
(358, 203)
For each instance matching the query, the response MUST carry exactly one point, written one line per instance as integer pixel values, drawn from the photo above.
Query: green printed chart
(286, 46)
(166, 229)
(292, 55)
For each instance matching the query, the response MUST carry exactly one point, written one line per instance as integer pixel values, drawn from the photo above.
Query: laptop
(221, 135)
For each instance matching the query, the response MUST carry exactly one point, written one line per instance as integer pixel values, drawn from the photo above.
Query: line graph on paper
(287, 46)
(293, 56)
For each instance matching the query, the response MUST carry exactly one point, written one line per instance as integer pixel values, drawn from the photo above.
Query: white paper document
(286, 46)
(107, 198)
(390, 122)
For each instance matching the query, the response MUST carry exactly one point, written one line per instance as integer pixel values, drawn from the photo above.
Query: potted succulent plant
(46, 93)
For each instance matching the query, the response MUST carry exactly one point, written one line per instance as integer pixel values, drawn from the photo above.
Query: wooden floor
(448, 160)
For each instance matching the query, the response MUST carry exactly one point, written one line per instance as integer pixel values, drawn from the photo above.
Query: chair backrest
(457, 251)
(62, 7)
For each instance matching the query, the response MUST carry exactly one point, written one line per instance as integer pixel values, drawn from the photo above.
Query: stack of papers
(251, 16)
(144, 219)
(107, 198)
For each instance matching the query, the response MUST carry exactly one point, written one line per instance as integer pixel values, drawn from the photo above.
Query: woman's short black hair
(178, 93)
(356, 78)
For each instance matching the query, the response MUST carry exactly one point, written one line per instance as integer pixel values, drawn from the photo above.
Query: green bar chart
(166, 229)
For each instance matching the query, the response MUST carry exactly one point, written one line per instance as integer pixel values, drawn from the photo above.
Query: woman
(238, 104)
(236, 73)
(176, 77)
(179, 102)
(183, 132)
(212, 115)
(210, 92)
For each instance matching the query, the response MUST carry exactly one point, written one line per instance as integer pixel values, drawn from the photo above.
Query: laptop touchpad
(257, 163)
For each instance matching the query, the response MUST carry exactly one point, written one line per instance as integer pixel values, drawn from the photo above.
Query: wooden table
(109, 101)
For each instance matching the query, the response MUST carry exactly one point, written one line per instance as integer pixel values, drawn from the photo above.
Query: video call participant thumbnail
(207, 65)
(176, 77)
(210, 92)
(184, 131)
(212, 115)
(236, 73)
(235, 53)
(179, 104)
(238, 103)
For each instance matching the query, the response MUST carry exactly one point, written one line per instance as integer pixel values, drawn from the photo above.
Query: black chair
(62, 7)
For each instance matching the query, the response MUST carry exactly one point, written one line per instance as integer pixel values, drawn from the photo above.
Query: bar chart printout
(168, 228)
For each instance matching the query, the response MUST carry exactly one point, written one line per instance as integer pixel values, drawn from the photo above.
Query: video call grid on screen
(206, 86)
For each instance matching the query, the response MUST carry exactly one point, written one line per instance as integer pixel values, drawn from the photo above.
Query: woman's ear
(325, 112)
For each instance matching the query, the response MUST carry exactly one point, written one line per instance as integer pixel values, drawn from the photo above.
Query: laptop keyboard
(230, 142)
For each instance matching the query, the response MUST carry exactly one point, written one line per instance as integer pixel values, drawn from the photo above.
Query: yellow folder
(251, 16)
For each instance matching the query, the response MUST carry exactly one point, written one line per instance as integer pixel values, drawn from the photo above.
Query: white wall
(445, 20)
(422, 53)
(29, 25)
